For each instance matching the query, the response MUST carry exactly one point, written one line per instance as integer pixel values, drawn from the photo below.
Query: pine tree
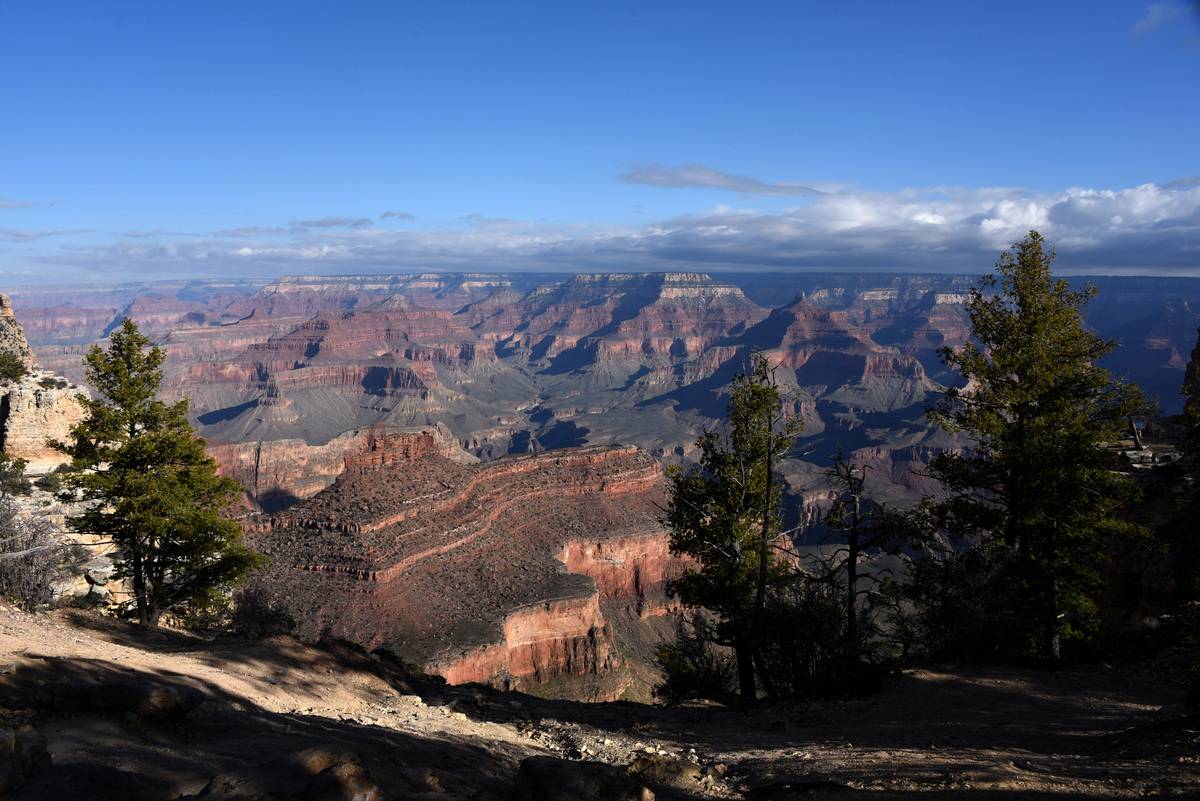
(148, 486)
(1181, 534)
(725, 514)
(1036, 482)
(1191, 400)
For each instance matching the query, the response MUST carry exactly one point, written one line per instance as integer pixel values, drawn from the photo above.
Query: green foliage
(12, 368)
(692, 666)
(12, 477)
(961, 596)
(806, 654)
(148, 485)
(724, 513)
(1182, 535)
(49, 382)
(52, 481)
(256, 613)
(1036, 487)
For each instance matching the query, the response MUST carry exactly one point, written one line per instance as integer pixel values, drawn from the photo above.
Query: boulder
(315, 774)
(99, 571)
(659, 769)
(550, 779)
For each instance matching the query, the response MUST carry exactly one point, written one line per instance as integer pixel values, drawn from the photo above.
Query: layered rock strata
(495, 573)
(277, 473)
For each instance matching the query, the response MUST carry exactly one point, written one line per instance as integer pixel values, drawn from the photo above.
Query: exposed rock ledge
(38, 407)
(278, 473)
(498, 573)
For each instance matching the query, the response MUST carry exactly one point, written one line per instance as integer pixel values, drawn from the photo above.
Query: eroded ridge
(499, 572)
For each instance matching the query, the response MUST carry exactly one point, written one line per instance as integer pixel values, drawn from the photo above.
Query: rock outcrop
(277, 473)
(12, 338)
(35, 408)
(460, 568)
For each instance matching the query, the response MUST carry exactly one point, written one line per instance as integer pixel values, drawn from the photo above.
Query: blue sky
(207, 138)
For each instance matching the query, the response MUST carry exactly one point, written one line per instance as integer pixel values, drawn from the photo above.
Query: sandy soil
(944, 733)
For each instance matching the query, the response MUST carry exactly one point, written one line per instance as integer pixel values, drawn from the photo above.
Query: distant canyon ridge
(286, 379)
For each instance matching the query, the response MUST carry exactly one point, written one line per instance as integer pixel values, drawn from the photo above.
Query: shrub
(257, 614)
(803, 657)
(52, 481)
(49, 382)
(692, 666)
(957, 605)
(31, 558)
(12, 368)
(207, 614)
(12, 477)
(806, 654)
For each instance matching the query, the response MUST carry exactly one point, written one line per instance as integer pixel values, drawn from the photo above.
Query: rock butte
(277, 473)
(513, 572)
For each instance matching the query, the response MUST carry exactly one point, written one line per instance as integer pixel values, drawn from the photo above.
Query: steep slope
(277, 473)
(464, 569)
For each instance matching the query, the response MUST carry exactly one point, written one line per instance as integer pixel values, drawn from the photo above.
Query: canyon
(514, 572)
(465, 469)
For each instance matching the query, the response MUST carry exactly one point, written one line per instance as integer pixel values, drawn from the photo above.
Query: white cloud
(337, 222)
(1148, 228)
(31, 235)
(1157, 16)
(701, 177)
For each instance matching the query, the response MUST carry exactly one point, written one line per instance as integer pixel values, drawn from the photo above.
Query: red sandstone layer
(479, 573)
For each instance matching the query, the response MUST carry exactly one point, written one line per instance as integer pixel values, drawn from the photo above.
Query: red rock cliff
(499, 572)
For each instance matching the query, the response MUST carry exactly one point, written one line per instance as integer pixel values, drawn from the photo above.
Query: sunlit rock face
(639, 317)
(277, 473)
(35, 409)
(502, 572)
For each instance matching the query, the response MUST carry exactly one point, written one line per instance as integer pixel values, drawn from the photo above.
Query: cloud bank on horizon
(377, 137)
(1150, 228)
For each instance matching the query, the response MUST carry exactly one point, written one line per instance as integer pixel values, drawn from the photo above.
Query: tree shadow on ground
(141, 734)
(996, 727)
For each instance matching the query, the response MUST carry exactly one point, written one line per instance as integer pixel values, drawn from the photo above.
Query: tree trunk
(764, 675)
(139, 590)
(852, 597)
(745, 669)
(760, 591)
(1053, 637)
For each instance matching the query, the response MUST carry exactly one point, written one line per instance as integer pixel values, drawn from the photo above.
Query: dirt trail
(933, 734)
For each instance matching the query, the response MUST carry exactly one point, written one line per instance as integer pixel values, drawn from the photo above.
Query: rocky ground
(99, 709)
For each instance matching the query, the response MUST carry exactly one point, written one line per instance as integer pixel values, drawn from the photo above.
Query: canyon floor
(105, 694)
